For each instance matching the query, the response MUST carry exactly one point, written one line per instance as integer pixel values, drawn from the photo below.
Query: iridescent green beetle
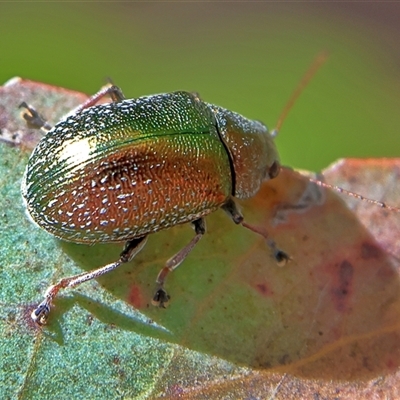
(117, 172)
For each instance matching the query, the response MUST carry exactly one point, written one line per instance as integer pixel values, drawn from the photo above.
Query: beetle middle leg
(109, 90)
(161, 297)
(41, 313)
(232, 210)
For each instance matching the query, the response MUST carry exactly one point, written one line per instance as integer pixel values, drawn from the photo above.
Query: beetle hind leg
(41, 313)
(161, 297)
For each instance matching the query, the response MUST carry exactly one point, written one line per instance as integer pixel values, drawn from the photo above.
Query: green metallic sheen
(121, 170)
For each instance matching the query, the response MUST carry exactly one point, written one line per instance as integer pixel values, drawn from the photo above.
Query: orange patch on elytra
(135, 297)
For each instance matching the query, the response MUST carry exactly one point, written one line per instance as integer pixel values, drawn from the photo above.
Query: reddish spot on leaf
(392, 364)
(135, 297)
(264, 289)
(369, 250)
(341, 291)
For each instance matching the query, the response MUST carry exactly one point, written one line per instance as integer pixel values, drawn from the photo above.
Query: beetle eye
(274, 169)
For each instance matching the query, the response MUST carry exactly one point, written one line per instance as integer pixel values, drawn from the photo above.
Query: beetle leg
(109, 90)
(131, 248)
(161, 297)
(196, 94)
(33, 119)
(231, 209)
(280, 256)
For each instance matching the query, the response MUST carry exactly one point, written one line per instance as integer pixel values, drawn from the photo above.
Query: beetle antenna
(312, 70)
(355, 195)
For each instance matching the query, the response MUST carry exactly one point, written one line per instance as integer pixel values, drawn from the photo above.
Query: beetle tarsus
(41, 313)
(116, 94)
(33, 119)
(281, 258)
(160, 298)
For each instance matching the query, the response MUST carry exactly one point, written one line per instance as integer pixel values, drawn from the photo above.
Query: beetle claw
(41, 313)
(160, 298)
(281, 257)
(33, 119)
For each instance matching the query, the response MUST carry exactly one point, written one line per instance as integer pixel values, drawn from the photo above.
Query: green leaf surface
(238, 326)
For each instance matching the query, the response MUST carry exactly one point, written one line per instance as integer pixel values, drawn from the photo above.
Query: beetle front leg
(231, 209)
(41, 313)
(161, 297)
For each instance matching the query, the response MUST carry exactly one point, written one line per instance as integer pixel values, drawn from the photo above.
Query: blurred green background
(247, 57)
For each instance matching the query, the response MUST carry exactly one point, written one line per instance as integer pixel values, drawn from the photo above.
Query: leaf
(325, 323)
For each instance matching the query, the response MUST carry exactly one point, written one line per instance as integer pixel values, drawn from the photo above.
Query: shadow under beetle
(117, 172)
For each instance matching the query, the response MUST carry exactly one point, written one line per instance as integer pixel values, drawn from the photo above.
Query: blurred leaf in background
(247, 57)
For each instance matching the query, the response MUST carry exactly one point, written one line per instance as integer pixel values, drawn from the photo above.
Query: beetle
(120, 171)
